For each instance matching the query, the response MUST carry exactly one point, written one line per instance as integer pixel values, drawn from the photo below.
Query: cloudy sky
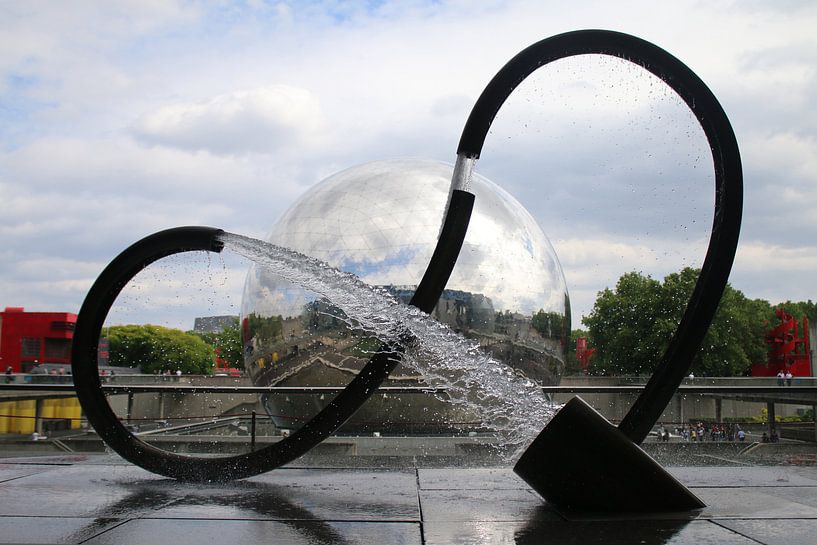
(118, 119)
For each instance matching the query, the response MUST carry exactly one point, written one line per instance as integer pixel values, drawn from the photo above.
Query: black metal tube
(674, 364)
(446, 252)
(252, 433)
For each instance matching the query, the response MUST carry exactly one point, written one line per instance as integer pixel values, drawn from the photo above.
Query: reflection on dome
(380, 221)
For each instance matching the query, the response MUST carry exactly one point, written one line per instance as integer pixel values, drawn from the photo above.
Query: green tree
(736, 337)
(632, 325)
(267, 329)
(154, 349)
(629, 327)
(227, 342)
(798, 309)
(549, 324)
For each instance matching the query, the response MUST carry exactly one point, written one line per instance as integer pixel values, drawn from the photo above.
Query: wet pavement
(99, 499)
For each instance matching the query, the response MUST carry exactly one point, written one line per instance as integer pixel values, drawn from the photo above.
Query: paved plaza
(99, 499)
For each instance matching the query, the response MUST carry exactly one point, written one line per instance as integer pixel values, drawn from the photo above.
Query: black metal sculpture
(579, 460)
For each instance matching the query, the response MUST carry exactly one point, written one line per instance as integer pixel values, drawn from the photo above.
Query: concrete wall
(180, 408)
(682, 407)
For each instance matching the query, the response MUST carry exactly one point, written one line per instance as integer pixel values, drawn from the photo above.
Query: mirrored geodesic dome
(380, 221)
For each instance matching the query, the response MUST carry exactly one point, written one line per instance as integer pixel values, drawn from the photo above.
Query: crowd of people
(709, 432)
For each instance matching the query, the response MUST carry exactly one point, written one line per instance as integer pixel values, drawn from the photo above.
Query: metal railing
(580, 389)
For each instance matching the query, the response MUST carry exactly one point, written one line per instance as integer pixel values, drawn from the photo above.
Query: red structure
(788, 350)
(27, 338)
(223, 366)
(583, 354)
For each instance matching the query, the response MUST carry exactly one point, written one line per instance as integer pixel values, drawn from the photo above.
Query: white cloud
(776, 258)
(173, 291)
(592, 264)
(237, 108)
(258, 120)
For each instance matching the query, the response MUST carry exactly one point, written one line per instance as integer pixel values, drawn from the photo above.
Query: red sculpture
(788, 351)
(583, 354)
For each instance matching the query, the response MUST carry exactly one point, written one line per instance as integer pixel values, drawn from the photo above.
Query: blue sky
(120, 119)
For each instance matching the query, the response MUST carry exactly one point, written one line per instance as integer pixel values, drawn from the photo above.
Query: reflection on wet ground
(99, 499)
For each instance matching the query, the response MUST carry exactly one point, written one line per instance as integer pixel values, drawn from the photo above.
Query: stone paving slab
(721, 503)
(806, 495)
(484, 505)
(84, 491)
(807, 471)
(757, 503)
(550, 532)
(128, 491)
(66, 459)
(731, 476)
(317, 494)
(221, 532)
(53, 529)
(14, 471)
(470, 479)
(52, 502)
(776, 532)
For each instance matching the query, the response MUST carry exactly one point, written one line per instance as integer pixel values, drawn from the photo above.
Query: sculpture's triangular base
(582, 462)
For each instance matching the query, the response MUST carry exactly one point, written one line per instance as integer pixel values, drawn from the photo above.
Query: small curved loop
(126, 265)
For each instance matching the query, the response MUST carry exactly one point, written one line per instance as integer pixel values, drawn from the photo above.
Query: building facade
(31, 338)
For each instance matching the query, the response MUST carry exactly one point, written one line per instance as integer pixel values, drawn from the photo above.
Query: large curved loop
(674, 364)
(126, 265)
